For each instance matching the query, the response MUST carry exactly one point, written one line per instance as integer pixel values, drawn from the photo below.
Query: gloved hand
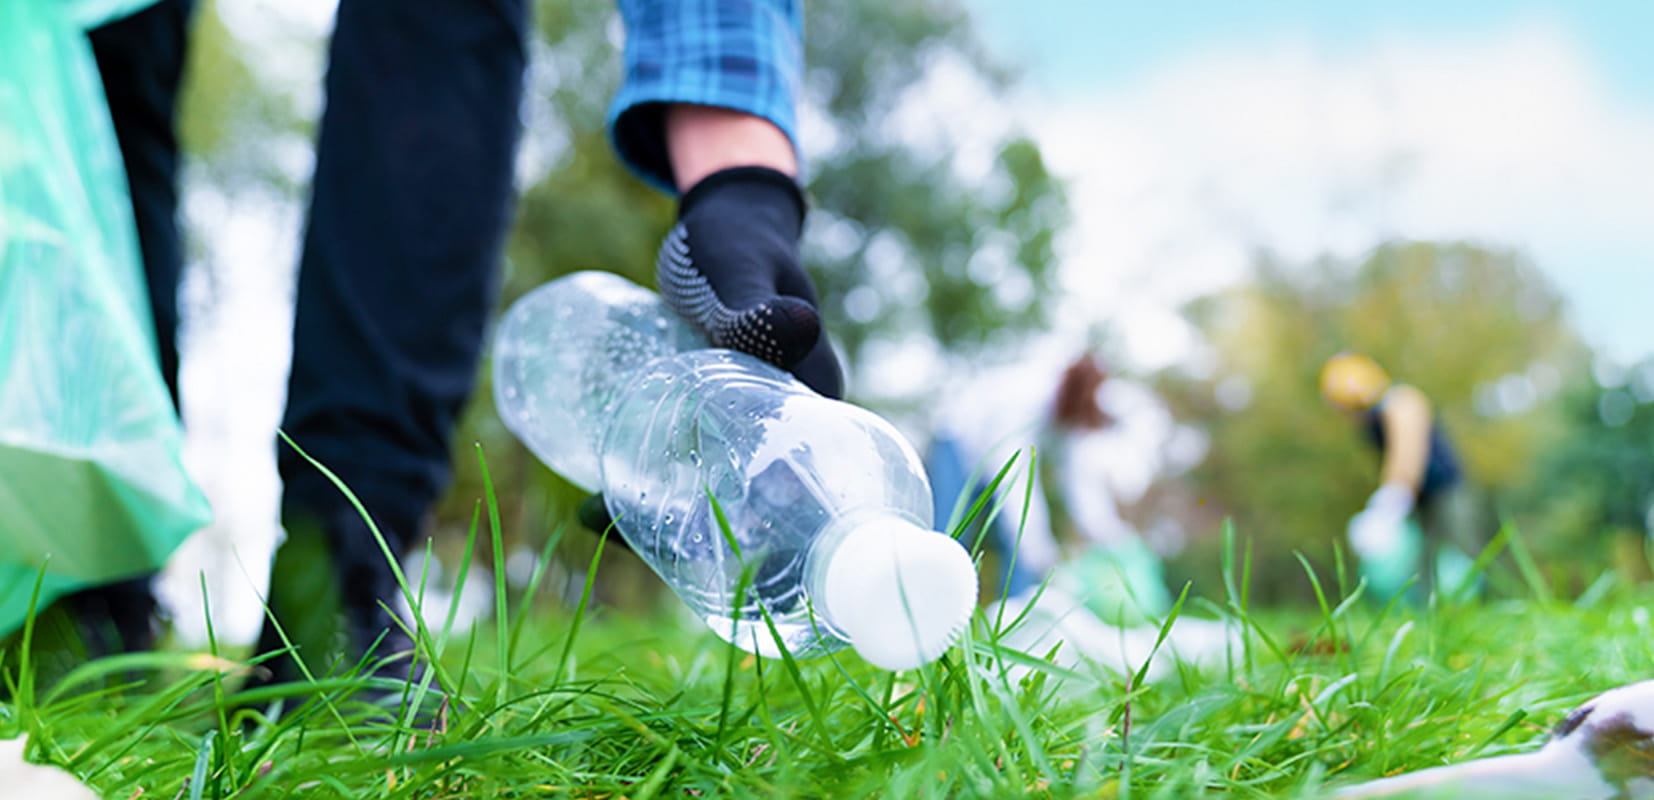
(1376, 529)
(731, 268)
(1387, 545)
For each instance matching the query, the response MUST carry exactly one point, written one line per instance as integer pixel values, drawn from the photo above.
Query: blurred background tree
(1478, 330)
(1592, 495)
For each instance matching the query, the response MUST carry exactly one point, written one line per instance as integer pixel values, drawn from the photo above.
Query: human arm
(730, 59)
(1377, 532)
(702, 140)
(1087, 495)
(1406, 414)
(707, 111)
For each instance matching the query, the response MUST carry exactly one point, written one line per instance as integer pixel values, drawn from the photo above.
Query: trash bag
(89, 14)
(1388, 552)
(1122, 584)
(92, 486)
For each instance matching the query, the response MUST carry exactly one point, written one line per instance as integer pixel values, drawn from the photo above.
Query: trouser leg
(951, 479)
(409, 208)
(141, 61)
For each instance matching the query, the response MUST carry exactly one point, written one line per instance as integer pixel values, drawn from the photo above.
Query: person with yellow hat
(1407, 526)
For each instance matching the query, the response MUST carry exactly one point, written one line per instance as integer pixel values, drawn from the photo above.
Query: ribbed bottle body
(784, 465)
(563, 353)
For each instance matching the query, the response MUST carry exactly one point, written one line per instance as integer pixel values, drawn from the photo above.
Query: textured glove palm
(731, 268)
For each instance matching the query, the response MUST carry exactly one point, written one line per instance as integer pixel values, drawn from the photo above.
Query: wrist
(702, 140)
(761, 186)
(1395, 498)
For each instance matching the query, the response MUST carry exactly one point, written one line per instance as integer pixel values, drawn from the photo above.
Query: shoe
(336, 620)
(96, 622)
(115, 618)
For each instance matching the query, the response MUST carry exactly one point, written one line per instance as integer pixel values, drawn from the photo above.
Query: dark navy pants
(409, 207)
(950, 479)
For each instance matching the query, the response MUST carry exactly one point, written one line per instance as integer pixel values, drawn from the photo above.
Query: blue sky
(1077, 44)
(1208, 126)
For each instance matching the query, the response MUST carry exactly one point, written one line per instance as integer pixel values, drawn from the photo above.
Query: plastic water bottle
(828, 509)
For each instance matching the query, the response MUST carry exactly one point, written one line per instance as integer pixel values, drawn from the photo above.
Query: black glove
(731, 268)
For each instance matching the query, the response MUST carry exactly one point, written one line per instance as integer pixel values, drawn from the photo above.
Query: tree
(908, 244)
(1593, 490)
(1462, 322)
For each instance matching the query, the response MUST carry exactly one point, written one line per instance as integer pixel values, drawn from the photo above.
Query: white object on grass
(1052, 618)
(1603, 750)
(230, 558)
(1376, 531)
(902, 593)
(22, 779)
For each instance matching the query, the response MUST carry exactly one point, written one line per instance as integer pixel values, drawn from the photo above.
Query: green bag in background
(89, 14)
(92, 486)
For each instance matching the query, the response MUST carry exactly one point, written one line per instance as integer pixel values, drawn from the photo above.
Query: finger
(781, 330)
(819, 370)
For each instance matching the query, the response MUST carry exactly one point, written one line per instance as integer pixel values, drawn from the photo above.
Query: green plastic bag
(89, 14)
(1123, 584)
(92, 487)
(1395, 567)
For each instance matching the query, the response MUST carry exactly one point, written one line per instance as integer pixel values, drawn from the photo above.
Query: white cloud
(1510, 138)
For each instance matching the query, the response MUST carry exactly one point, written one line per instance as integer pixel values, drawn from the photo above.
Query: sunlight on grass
(580, 703)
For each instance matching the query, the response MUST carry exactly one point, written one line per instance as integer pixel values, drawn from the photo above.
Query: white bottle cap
(901, 594)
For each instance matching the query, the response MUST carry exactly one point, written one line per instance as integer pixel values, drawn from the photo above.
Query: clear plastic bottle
(828, 507)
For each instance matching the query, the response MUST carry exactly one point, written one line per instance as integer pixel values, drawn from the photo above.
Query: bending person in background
(1412, 525)
(1056, 429)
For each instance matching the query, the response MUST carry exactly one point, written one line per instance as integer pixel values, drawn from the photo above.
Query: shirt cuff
(745, 55)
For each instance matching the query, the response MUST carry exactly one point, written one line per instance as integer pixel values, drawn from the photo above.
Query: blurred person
(1053, 422)
(1414, 524)
(409, 206)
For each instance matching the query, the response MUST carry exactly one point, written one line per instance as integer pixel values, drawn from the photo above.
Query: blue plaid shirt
(741, 54)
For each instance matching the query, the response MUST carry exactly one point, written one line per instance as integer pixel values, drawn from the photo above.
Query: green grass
(579, 702)
(657, 708)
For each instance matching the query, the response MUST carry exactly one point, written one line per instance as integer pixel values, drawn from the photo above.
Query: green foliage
(906, 243)
(1593, 489)
(584, 210)
(548, 703)
(231, 118)
(1451, 319)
